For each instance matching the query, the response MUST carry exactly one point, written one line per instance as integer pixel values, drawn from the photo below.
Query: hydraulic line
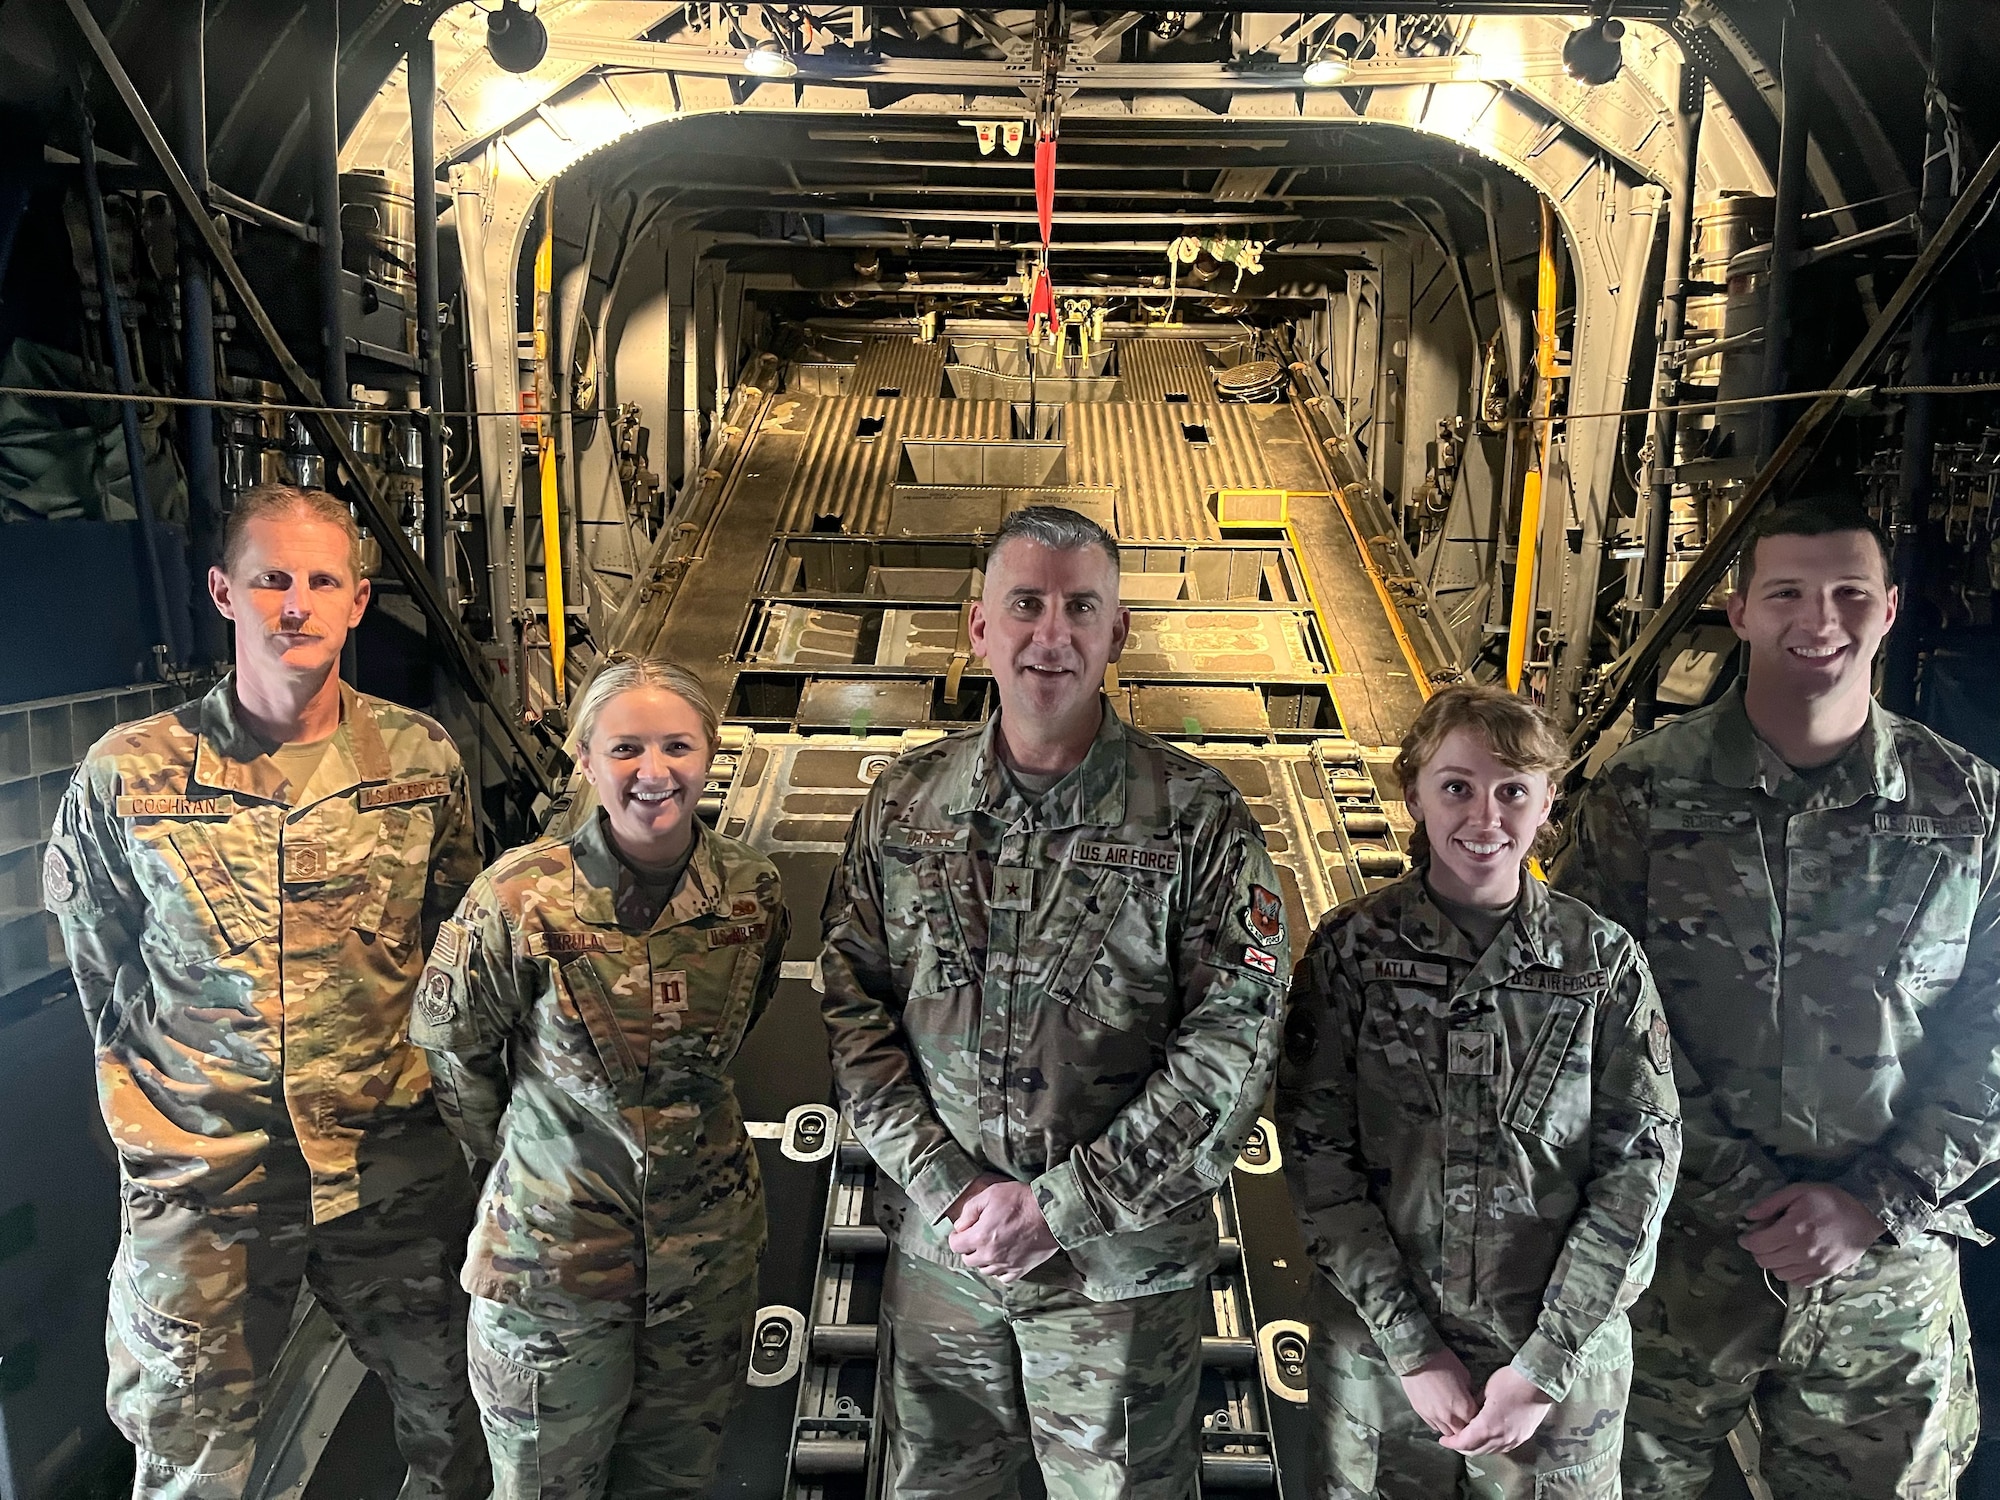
(545, 422)
(1529, 543)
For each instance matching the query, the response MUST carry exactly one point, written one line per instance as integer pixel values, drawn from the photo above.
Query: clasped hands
(1809, 1231)
(1440, 1389)
(997, 1226)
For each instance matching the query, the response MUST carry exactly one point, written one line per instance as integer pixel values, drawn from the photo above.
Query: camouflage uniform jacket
(1828, 950)
(1081, 992)
(588, 1063)
(1485, 1142)
(246, 949)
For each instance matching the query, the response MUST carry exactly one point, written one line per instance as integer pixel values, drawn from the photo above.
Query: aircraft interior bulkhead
(1402, 346)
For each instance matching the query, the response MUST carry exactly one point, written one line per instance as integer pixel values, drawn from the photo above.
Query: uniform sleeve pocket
(164, 1346)
(1158, 1154)
(1552, 1098)
(586, 992)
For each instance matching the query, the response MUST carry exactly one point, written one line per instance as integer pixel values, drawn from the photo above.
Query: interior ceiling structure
(1870, 68)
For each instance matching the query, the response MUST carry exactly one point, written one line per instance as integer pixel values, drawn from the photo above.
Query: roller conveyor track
(833, 652)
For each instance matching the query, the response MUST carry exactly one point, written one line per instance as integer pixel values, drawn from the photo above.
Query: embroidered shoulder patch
(548, 944)
(1552, 982)
(397, 792)
(1660, 1044)
(1126, 856)
(58, 879)
(176, 807)
(435, 1002)
(1265, 916)
(1261, 960)
(1915, 825)
(1404, 971)
(449, 949)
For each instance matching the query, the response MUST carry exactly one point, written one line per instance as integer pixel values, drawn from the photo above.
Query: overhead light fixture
(1592, 54)
(516, 38)
(767, 61)
(1322, 71)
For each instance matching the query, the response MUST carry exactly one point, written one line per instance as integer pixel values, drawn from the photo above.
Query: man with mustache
(1816, 884)
(1054, 970)
(247, 886)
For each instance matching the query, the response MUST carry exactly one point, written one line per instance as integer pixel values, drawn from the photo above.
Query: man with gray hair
(1055, 968)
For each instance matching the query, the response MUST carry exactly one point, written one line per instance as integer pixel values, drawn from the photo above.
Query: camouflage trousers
(578, 1408)
(981, 1375)
(1369, 1441)
(1863, 1385)
(202, 1299)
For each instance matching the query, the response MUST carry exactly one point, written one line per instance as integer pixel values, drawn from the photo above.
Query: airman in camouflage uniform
(1827, 952)
(1080, 992)
(1827, 946)
(614, 1264)
(246, 950)
(1480, 1147)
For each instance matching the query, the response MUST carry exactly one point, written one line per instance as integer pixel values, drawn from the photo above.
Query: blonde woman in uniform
(1481, 1130)
(581, 1012)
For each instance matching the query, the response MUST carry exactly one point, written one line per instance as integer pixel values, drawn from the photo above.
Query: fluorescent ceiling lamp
(766, 61)
(1322, 71)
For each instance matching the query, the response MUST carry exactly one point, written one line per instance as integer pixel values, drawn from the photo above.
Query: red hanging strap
(1041, 302)
(1045, 184)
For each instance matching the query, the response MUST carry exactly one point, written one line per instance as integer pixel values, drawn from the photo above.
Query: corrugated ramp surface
(840, 474)
(1152, 369)
(917, 370)
(1163, 479)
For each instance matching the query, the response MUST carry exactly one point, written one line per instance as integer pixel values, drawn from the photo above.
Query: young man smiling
(1054, 968)
(247, 886)
(1813, 880)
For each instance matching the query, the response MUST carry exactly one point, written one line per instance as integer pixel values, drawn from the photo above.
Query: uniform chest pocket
(592, 1009)
(1117, 931)
(920, 925)
(1938, 886)
(392, 902)
(1552, 1093)
(1389, 1039)
(195, 898)
(700, 1012)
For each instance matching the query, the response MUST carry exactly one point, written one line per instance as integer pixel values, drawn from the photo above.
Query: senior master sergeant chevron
(1816, 884)
(246, 886)
(1055, 966)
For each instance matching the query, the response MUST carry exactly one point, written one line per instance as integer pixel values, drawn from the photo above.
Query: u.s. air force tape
(406, 791)
(1126, 856)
